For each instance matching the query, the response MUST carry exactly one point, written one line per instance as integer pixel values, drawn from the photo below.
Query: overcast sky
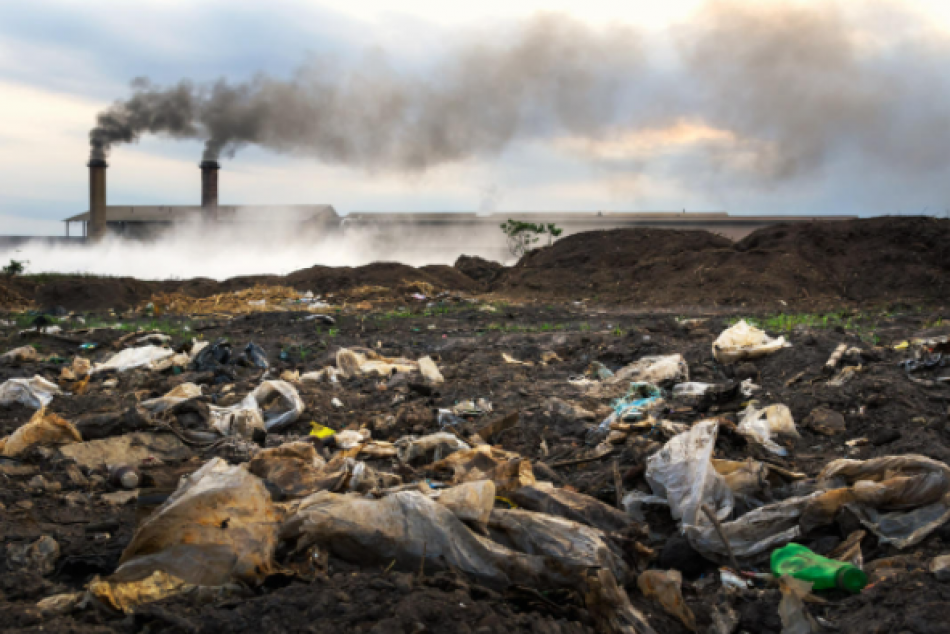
(844, 111)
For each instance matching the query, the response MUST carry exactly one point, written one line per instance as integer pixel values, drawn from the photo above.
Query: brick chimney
(97, 199)
(209, 187)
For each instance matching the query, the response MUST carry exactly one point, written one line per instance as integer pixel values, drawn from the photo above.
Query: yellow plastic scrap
(124, 597)
(904, 345)
(318, 430)
(508, 503)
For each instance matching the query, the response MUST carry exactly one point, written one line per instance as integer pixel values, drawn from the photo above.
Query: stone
(883, 436)
(825, 421)
(39, 557)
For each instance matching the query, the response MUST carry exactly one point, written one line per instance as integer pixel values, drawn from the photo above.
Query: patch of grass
(46, 278)
(618, 332)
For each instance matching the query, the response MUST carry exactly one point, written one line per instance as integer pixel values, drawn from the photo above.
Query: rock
(825, 421)
(39, 557)
(883, 436)
(940, 567)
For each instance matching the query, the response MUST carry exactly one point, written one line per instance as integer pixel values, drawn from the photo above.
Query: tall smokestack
(209, 187)
(97, 198)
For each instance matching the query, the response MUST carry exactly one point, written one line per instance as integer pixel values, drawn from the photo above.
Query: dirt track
(897, 413)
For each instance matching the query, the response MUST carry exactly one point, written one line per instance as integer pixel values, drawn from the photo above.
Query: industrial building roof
(176, 213)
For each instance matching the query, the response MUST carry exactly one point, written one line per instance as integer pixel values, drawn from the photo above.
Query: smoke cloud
(793, 87)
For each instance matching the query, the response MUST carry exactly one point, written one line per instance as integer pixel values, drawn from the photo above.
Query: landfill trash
(270, 406)
(666, 587)
(125, 476)
(799, 562)
(732, 581)
(320, 431)
(23, 354)
(510, 360)
(148, 357)
(472, 408)
(350, 438)
(44, 429)
(78, 370)
(542, 534)
(471, 502)
(178, 394)
(940, 567)
(209, 357)
(430, 372)
(568, 410)
(682, 390)
(129, 449)
(126, 593)
(87, 346)
(744, 341)
(845, 375)
(405, 528)
(761, 425)
(658, 370)
(508, 470)
(295, 468)
(335, 402)
(544, 497)
(255, 356)
(326, 375)
(641, 398)
(218, 527)
(901, 499)
(791, 609)
(39, 556)
(155, 338)
(36, 392)
(324, 319)
(430, 448)
(60, 604)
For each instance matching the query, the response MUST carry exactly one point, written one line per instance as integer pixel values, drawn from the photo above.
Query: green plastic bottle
(824, 574)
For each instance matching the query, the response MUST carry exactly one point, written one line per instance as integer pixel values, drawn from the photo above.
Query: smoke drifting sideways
(249, 244)
(796, 87)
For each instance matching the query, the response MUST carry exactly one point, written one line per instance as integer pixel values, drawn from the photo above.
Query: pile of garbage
(251, 300)
(240, 478)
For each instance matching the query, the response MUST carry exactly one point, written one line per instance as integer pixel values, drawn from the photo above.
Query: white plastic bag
(148, 357)
(252, 412)
(683, 473)
(430, 371)
(434, 446)
(744, 341)
(36, 392)
(761, 425)
(656, 369)
(178, 394)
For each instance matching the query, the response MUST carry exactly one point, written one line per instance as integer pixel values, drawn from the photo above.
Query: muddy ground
(607, 298)
(467, 338)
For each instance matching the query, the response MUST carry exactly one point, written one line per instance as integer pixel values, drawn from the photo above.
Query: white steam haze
(250, 245)
(781, 107)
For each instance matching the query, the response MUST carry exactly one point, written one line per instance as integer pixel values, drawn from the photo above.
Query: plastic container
(824, 574)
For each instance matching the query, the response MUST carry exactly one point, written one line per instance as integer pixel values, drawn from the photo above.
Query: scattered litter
(23, 354)
(666, 588)
(45, 429)
(148, 357)
(744, 341)
(36, 392)
(761, 425)
(657, 370)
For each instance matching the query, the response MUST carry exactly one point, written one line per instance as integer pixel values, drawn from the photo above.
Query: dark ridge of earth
(887, 260)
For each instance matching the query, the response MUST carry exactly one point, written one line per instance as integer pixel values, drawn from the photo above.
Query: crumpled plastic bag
(791, 609)
(544, 497)
(508, 470)
(219, 527)
(44, 429)
(351, 363)
(148, 357)
(23, 354)
(659, 370)
(430, 372)
(125, 595)
(408, 528)
(471, 502)
(178, 394)
(666, 586)
(36, 392)
(760, 425)
(253, 412)
(326, 375)
(295, 468)
(901, 499)
(744, 341)
(566, 541)
(639, 401)
(79, 369)
(682, 472)
(432, 447)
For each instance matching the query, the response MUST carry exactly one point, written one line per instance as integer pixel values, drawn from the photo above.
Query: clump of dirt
(11, 300)
(858, 261)
(479, 269)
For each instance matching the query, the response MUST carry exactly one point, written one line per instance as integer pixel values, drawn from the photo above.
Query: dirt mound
(873, 260)
(479, 269)
(327, 279)
(11, 300)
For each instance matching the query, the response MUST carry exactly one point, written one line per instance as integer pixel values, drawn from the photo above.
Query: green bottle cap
(851, 579)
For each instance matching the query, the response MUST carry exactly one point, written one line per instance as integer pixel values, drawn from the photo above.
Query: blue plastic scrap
(639, 399)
